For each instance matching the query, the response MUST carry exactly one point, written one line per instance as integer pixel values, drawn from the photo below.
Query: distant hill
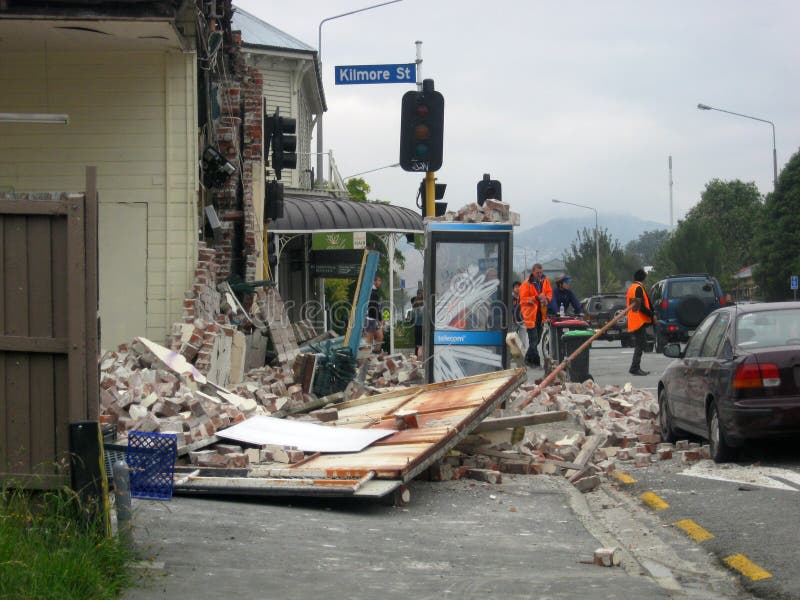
(552, 238)
(544, 242)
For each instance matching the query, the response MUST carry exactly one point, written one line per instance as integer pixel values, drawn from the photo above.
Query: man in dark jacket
(564, 297)
(374, 326)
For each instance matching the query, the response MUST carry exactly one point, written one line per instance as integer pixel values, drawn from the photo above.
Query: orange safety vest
(636, 319)
(529, 301)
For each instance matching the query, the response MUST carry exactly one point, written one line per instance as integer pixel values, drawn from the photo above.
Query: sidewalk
(456, 539)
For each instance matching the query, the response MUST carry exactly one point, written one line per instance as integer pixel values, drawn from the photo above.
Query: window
(693, 287)
(696, 342)
(715, 336)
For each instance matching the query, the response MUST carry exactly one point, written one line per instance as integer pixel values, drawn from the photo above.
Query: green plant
(49, 550)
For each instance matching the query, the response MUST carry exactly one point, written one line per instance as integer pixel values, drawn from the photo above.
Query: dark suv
(601, 309)
(680, 303)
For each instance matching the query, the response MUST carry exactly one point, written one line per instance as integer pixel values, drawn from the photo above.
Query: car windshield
(606, 304)
(692, 287)
(780, 327)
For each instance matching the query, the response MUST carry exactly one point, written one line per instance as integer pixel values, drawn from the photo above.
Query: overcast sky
(580, 101)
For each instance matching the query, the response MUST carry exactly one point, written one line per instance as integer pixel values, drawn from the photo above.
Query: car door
(685, 371)
(704, 377)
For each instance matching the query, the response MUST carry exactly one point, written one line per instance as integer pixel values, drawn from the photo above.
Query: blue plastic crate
(151, 460)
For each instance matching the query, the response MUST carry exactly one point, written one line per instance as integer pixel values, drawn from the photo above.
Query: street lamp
(774, 153)
(373, 170)
(320, 147)
(596, 236)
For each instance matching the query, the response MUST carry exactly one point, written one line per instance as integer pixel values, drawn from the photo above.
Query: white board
(260, 430)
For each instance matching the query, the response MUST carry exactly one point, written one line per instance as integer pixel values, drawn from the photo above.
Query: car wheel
(690, 312)
(668, 433)
(649, 346)
(721, 451)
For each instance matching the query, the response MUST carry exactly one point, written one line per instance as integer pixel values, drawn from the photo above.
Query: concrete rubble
(493, 211)
(592, 431)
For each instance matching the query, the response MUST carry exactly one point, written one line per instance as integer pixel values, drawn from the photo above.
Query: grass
(49, 550)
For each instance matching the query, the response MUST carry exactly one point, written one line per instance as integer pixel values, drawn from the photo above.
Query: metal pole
(597, 249)
(702, 106)
(419, 65)
(430, 194)
(391, 294)
(671, 220)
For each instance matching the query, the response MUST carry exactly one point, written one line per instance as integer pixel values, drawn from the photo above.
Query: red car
(737, 379)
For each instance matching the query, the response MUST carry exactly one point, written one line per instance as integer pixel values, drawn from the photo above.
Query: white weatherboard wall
(133, 115)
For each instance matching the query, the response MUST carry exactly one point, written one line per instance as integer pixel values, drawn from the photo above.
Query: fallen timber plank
(565, 363)
(520, 421)
(592, 443)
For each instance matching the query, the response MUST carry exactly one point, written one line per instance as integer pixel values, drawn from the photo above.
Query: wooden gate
(48, 329)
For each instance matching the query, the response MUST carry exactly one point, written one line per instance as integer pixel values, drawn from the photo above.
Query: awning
(316, 214)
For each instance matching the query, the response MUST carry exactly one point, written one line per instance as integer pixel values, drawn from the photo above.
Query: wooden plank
(33, 207)
(76, 308)
(520, 421)
(18, 442)
(40, 330)
(17, 374)
(92, 296)
(42, 415)
(3, 355)
(59, 309)
(590, 444)
(46, 345)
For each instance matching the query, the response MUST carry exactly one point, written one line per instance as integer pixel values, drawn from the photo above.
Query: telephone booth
(467, 287)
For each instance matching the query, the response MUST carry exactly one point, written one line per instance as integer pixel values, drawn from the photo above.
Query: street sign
(793, 283)
(361, 74)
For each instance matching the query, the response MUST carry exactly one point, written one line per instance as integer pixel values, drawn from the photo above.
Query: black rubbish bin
(553, 342)
(579, 367)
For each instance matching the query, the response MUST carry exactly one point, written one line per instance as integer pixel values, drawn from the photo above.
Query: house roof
(260, 33)
(309, 214)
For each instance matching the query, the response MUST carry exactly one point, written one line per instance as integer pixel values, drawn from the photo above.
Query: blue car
(680, 303)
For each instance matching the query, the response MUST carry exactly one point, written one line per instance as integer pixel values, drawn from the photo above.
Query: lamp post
(596, 236)
(373, 170)
(774, 152)
(320, 146)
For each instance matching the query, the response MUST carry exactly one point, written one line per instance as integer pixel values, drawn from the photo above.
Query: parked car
(680, 303)
(601, 309)
(737, 379)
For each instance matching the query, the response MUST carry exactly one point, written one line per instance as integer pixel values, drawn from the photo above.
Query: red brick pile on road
(605, 429)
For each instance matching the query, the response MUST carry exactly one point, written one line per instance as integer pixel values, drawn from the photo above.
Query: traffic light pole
(430, 194)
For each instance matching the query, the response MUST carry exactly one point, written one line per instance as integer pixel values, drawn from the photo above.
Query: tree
(580, 261)
(777, 246)
(716, 237)
(646, 247)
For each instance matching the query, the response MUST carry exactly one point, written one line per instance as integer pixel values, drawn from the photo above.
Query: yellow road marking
(747, 568)
(693, 530)
(624, 477)
(653, 501)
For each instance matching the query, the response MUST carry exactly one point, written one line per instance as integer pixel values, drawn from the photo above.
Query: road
(750, 507)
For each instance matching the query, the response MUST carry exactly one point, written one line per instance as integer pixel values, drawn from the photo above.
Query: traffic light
(273, 200)
(280, 133)
(422, 129)
(489, 189)
(439, 207)
(272, 250)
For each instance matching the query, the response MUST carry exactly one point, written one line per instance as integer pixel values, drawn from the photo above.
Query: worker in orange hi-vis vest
(639, 317)
(534, 295)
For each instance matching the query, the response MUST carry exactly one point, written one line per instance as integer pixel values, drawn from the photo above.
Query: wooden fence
(48, 329)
